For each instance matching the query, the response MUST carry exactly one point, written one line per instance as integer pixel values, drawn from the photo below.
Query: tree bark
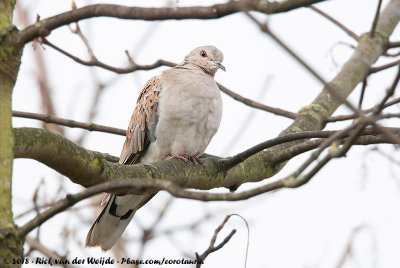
(10, 243)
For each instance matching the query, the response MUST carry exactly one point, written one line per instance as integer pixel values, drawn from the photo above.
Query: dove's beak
(219, 65)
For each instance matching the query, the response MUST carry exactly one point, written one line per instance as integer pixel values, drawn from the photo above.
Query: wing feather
(141, 130)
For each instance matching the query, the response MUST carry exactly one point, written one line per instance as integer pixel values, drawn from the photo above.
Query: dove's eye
(203, 54)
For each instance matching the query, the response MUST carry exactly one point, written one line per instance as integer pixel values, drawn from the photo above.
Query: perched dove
(176, 115)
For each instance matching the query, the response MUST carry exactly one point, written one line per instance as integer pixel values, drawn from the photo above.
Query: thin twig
(373, 27)
(42, 78)
(36, 245)
(384, 67)
(257, 105)
(336, 22)
(212, 248)
(85, 41)
(349, 246)
(389, 93)
(148, 233)
(264, 28)
(362, 93)
(70, 123)
(297, 180)
(353, 116)
(96, 62)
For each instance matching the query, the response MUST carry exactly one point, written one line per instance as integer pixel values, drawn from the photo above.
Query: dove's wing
(142, 127)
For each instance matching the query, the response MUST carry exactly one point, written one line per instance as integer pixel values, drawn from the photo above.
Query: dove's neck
(193, 67)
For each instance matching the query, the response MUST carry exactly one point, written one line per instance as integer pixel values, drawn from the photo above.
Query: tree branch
(95, 62)
(384, 67)
(264, 28)
(36, 245)
(44, 27)
(353, 116)
(69, 123)
(336, 22)
(373, 27)
(212, 248)
(257, 105)
(132, 185)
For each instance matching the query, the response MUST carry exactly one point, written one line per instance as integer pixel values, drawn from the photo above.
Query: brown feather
(137, 140)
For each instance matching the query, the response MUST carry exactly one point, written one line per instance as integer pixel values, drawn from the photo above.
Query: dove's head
(208, 58)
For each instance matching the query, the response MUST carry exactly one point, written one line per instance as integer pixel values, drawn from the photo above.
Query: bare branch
(69, 123)
(212, 248)
(41, 76)
(389, 93)
(373, 27)
(36, 245)
(257, 105)
(336, 22)
(393, 44)
(95, 62)
(78, 32)
(44, 27)
(349, 246)
(264, 28)
(362, 93)
(384, 67)
(353, 116)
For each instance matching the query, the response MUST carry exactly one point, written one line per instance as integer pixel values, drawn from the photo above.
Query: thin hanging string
(248, 236)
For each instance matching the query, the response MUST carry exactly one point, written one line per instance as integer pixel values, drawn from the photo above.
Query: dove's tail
(114, 219)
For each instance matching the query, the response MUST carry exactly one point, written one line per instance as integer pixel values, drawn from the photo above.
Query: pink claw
(196, 160)
(175, 156)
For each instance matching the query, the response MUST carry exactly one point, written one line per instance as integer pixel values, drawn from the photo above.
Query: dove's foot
(185, 158)
(196, 160)
(180, 157)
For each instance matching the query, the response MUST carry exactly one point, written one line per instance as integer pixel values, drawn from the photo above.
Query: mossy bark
(10, 243)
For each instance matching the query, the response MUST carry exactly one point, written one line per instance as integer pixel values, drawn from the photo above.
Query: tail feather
(113, 220)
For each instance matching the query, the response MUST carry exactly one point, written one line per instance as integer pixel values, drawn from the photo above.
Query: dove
(176, 115)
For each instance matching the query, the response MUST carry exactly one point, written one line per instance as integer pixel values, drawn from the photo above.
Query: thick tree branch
(173, 185)
(89, 168)
(44, 27)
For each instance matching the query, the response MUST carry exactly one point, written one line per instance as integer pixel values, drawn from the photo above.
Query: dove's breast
(190, 111)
